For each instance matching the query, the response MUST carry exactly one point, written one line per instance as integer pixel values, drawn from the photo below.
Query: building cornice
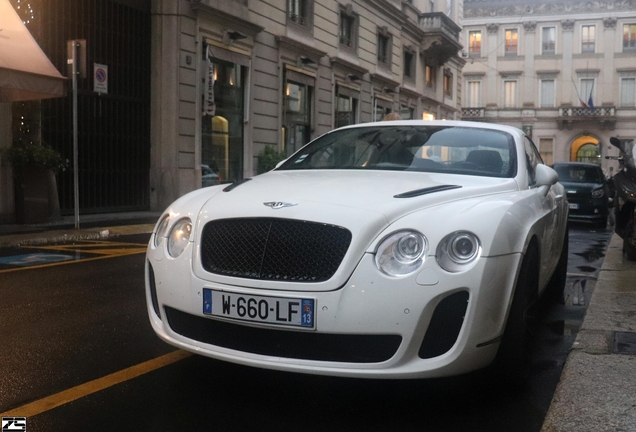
(232, 14)
(528, 8)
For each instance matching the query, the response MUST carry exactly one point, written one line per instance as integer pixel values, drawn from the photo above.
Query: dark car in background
(208, 176)
(587, 191)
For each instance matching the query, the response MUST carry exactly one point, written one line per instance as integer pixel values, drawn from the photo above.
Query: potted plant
(34, 169)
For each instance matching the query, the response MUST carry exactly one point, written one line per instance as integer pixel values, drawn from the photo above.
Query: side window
(533, 158)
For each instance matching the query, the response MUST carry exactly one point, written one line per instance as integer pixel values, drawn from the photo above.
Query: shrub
(37, 156)
(268, 159)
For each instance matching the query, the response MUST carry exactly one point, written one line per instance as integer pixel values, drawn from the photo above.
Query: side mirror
(546, 176)
(615, 142)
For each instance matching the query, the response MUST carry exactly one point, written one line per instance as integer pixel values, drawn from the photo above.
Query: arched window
(588, 153)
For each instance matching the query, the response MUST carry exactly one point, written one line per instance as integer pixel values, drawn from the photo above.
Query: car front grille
(349, 348)
(273, 249)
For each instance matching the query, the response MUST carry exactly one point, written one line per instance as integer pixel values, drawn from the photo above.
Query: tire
(514, 358)
(556, 285)
(628, 250)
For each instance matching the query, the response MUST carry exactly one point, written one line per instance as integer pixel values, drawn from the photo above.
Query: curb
(60, 236)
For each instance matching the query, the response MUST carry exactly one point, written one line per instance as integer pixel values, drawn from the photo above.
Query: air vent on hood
(428, 190)
(236, 184)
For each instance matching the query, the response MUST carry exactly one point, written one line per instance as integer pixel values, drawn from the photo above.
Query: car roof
(581, 164)
(457, 123)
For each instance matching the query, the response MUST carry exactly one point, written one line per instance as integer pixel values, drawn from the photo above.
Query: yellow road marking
(77, 392)
(113, 251)
(91, 247)
(97, 247)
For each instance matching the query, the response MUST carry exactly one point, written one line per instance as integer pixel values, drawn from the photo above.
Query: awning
(25, 71)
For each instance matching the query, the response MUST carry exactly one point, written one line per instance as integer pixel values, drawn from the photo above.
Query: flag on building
(583, 104)
(590, 101)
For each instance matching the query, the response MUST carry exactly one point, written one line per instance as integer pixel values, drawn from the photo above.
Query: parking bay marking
(49, 259)
(90, 387)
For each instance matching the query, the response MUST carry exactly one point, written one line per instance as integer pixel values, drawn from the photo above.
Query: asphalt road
(76, 337)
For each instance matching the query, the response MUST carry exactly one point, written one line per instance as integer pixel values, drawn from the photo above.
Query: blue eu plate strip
(207, 301)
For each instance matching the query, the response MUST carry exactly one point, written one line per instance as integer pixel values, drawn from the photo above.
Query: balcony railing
(439, 22)
(473, 112)
(441, 37)
(587, 112)
(604, 116)
(568, 117)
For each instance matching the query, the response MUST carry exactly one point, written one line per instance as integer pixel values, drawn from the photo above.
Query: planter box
(36, 198)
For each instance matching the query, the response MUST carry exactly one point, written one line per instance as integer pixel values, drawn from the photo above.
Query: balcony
(604, 116)
(441, 37)
(473, 113)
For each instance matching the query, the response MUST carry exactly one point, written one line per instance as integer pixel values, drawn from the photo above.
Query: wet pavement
(596, 389)
(410, 402)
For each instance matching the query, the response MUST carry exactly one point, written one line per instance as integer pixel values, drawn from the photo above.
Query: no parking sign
(100, 78)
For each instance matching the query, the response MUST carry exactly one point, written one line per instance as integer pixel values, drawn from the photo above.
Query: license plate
(574, 206)
(294, 312)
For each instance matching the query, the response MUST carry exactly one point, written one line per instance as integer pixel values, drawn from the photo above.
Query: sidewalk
(597, 391)
(92, 227)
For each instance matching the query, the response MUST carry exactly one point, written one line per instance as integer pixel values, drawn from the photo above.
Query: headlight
(179, 237)
(401, 253)
(162, 227)
(598, 193)
(458, 251)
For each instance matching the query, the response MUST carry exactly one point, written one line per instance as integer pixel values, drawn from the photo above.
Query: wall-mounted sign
(100, 78)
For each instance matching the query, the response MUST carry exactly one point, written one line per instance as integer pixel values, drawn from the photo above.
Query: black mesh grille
(445, 325)
(273, 249)
(362, 348)
(153, 289)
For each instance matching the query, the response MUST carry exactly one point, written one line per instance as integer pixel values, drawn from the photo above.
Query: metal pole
(75, 133)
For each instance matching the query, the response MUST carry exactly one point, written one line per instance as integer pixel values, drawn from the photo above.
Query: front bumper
(374, 326)
(588, 210)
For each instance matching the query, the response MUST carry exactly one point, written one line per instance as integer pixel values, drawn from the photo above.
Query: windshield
(579, 174)
(630, 154)
(457, 150)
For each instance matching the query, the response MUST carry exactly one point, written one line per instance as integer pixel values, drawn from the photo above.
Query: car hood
(364, 202)
(580, 188)
(371, 193)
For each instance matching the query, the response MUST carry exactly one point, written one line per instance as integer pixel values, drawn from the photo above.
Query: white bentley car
(400, 249)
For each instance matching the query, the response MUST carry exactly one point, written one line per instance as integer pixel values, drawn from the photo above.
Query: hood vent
(425, 191)
(236, 184)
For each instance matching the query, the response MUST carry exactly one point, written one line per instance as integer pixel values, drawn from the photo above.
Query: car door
(552, 220)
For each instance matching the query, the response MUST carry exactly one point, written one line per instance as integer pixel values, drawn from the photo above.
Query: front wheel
(556, 286)
(514, 358)
(629, 250)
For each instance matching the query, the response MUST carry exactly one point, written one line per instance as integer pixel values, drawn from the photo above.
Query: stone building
(564, 71)
(231, 77)
(198, 89)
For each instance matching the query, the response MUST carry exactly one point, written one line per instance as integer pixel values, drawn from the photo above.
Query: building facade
(199, 89)
(233, 77)
(564, 71)
(113, 124)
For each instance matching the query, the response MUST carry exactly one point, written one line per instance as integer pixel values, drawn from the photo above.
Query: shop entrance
(222, 122)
